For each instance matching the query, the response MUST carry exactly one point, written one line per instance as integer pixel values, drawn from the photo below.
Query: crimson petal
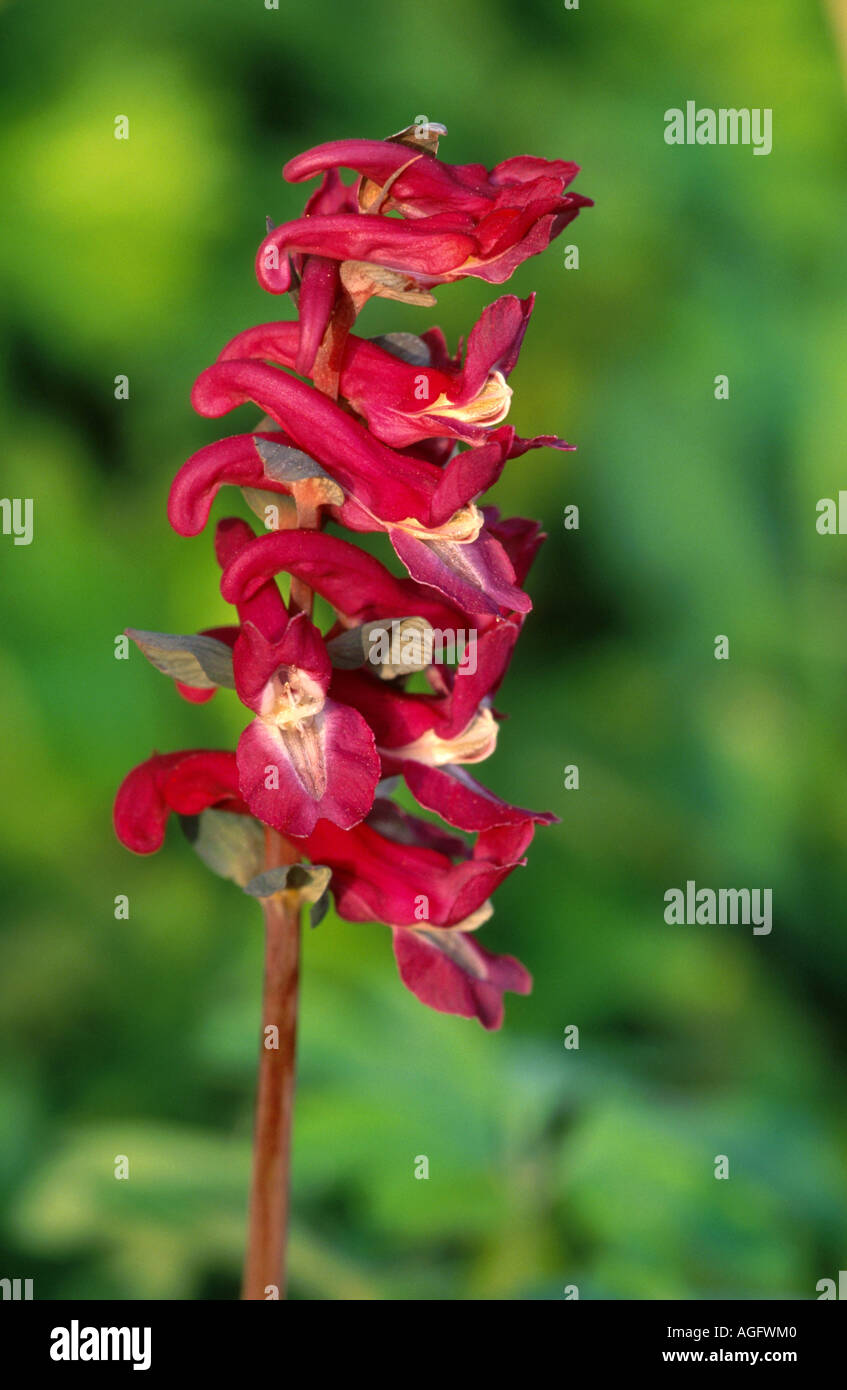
(187, 783)
(328, 770)
(452, 973)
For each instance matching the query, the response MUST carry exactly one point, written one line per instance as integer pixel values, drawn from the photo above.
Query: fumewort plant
(396, 435)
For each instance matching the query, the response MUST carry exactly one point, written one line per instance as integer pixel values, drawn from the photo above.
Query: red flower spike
(394, 435)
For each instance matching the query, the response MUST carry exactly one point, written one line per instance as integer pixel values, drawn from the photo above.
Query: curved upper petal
(234, 460)
(186, 782)
(356, 584)
(428, 249)
(392, 486)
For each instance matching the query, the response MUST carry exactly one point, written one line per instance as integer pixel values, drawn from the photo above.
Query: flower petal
(520, 537)
(476, 576)
(186, 782)
(256, 657)
(462, 801)
(391, 485)
(354, 582)
(495, 341)
(426, 249)
(328, 770)
(451, 972)
(233, 460)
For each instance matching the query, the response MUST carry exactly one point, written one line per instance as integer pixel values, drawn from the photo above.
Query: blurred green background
(548, 1167)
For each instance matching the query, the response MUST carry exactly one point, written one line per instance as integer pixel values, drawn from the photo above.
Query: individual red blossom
(387, 870)
(305, 756)
(419, 184)
(457, 222)
(392, 870)
(429, 513)
(356, 584)
(433, 891)
(425, 394)
(454, 724)
(385, 487)
(185, 783)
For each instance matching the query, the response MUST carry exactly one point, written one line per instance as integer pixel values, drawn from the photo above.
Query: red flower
(429, 512)
(186, 783)
(433, 890)
(358, 586)
(305, 756)
(409, 389)
(457, 221)
(420, 184)
(429, 887)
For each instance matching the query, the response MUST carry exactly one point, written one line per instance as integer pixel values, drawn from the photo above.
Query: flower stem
(264, 1267)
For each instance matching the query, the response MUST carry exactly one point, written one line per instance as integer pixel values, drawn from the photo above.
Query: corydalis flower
(456, 221)
(429, 512)
(381, 871)
(409, 388)
(393, 435)
(305, 756)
